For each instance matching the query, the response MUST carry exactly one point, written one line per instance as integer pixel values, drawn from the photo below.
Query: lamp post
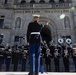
(62, 16)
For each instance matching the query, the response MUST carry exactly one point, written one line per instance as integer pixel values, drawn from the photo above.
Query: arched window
(61, 1)
(22, 2)
(68, 0)
(5, 2)
(18, 23)
(51, 1)
(67, 22)
(42, 1)
(32, 1)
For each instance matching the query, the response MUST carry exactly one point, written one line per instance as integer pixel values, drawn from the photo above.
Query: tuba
(68, 41)
(60, 41)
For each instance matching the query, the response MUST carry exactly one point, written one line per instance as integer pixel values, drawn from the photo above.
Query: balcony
(37, 5)
(42, 5)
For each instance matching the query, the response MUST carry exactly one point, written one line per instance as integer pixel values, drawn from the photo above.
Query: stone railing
(46, 5)
(37, 5)
(6, 6)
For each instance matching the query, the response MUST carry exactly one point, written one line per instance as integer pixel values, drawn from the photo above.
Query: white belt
(1, 55)
(35, 32)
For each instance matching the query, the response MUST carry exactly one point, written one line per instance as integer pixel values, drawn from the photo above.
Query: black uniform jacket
(33, 27)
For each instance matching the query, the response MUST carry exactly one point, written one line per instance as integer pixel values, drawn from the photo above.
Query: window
(23, 2)
(16, 39)
(51, 1)
(2, 16)
(61, 1)
(19, 39)
(5, 1)
(42, 1)
(67, 22)
(68, 0)
(32, 1)
(18, 23)
(67, 36)
(1, 23)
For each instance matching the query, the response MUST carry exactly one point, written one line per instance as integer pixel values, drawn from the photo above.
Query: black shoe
(31, 73)
(36, 74)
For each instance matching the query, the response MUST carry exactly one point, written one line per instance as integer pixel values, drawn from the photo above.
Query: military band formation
(19, 55)
(38, 53)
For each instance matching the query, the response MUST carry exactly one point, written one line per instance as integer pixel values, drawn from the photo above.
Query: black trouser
(66, 64)
(8, 62)
(23, 64)
(74, 60)
(56, 62)
(15, 67)
(1, 62)
(48, 67)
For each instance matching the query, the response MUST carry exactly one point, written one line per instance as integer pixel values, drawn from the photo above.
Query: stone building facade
(15, 16)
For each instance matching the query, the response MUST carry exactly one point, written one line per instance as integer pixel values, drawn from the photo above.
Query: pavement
(26, 73)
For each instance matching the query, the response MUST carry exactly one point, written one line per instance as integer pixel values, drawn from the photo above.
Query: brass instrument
(56, 53)
(48, 52)
(60, 40)
(74, 51)
(68, 41)
(66, 53)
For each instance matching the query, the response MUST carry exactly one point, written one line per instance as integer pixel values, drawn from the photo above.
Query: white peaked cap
(36, 15)
(74, 48)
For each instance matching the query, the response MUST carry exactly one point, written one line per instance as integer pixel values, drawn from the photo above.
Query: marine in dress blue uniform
(1, 56)
(66, 55)
(24, 54)
(15, 58)
(74, 55)
(8, 54)
(48, 60)
(56, 59)
(33, 39)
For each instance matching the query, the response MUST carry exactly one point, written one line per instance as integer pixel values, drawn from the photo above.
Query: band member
(8, 54)
(59, 48)
(66, 58)
(15, 58)
(24, 54)
(48, 60)
(33, 40)
(51, 47)
(1, 56)
(56, 59)
(44, 47)
(74, 55)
